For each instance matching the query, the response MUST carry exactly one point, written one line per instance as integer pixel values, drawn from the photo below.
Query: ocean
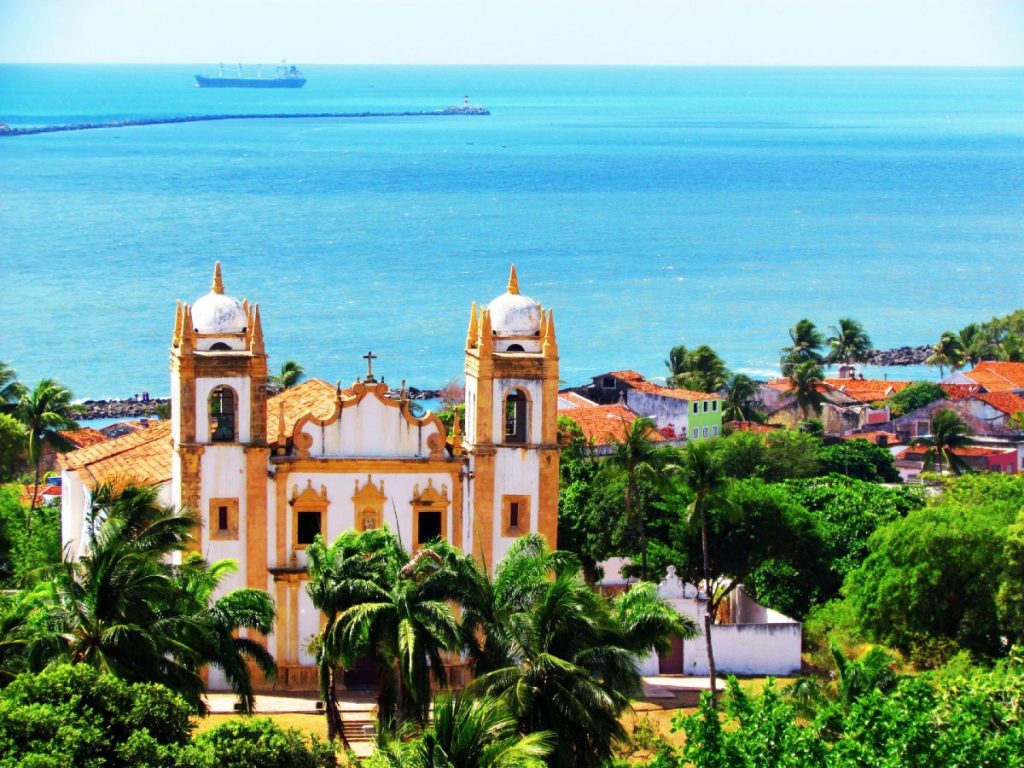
(648, 206)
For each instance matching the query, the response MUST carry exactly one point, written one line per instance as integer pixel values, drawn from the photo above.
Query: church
(266, 474)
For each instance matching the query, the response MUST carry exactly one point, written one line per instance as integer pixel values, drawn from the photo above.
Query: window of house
(307, 525)
(515, 515)
(705, 406)
(309, 514)
(695, 407)
(428, 526)
(222, 415)
(696, 432)
(223, 519)
(714, 431)
(705, 432)
(515, 416)
(714, 405)
(608, 382)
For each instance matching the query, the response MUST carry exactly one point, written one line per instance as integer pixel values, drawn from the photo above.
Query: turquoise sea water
(649, 207)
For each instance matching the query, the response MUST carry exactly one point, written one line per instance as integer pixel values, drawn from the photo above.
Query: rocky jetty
(6, 130)
(120, 409)
(899, 356)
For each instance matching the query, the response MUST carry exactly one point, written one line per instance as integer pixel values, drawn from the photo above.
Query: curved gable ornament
(429, 496)
(359, 391)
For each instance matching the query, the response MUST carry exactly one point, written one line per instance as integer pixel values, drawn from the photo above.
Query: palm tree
(874, 671)
(700, 469)
(467, 732)
(126, 609)
(849, 343)
(637, 456)
(948, 352)
(739, 390)
(805, 380)
(44, 411)
(291, 374)
(560, 656)
(10, 388)
(700, 369)
(336, 583)
(211, 635)
(806, 342)
(402, 616)
(974, 343)
(949, 432)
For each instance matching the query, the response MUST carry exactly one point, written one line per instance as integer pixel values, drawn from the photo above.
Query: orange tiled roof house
(679, 414)
(266, 475)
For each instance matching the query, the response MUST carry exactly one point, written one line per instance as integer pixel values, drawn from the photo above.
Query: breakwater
(131, 408)
(899, 356)
(466, 111)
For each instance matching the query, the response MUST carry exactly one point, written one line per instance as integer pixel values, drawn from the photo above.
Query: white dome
(217, 313)
(513, 314)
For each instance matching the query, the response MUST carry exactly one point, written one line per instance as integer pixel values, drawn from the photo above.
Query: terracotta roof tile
(143, 456)
(575, 400)
(868, 390)
(604, 424)
(878, 438)
(84, 437)
(1013, 373)
(991, 381)
(919, 450)
(1007, 402)
(313, 396)
(639, 383)
(47, 492)
(750, 426)
(958, 391)
(157, 430)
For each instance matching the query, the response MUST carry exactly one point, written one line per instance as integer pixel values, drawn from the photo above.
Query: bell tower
(219, 425)
(511, 433)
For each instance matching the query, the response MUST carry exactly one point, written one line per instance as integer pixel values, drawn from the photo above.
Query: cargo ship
(284, 77)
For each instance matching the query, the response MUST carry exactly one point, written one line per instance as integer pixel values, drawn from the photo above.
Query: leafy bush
(256, 741)
(917, 395)
(73, 715)
(858, 459)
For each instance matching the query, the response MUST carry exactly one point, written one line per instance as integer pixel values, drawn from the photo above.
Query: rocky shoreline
(133, 409)
(899, 356)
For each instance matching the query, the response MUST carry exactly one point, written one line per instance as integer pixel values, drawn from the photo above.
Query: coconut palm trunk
(709, 618)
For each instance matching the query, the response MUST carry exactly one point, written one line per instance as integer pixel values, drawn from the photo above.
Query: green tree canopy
(859, 459)
(699, 369)
(917, 395)
(848, 342)
(805, 346)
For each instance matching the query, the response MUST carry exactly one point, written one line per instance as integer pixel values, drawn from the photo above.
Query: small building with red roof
(679, 414)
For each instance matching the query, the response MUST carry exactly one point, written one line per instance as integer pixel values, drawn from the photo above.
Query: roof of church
(142, 456)
(313, 396)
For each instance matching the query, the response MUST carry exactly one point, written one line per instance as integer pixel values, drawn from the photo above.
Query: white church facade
(267, 474)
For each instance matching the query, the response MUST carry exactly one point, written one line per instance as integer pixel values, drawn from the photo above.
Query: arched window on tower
(515, 416)
(222, 415)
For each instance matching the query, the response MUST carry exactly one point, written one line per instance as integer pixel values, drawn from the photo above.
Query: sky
(482, 32)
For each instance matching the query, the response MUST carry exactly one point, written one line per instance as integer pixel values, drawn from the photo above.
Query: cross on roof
(369, 357)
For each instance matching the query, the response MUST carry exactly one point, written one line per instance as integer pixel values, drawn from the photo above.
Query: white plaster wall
(516, 473)
(534, 390)
(222, 475)
(341, 510)
(204, 386)
(661, 410)
(74, 500)
(747, 649)
(309, 625)
(373, 429)
(979, 409)
(471, 395)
